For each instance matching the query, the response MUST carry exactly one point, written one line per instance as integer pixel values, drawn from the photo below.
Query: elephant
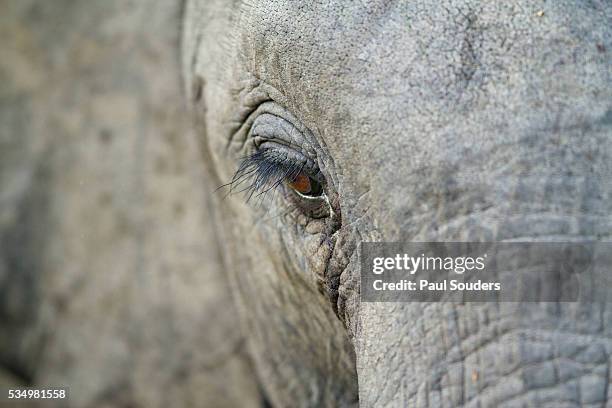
(185, 187)
(326, 124)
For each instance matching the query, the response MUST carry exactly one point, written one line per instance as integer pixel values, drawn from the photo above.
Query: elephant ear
(110, 276)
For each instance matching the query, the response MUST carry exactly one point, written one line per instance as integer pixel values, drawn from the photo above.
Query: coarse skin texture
(431, 120)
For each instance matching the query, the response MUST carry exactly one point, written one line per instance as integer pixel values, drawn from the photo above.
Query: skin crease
(453, 120)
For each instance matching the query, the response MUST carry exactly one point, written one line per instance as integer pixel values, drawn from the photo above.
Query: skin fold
(441, 121)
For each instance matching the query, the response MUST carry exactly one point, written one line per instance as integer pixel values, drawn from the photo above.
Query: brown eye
(305, 185)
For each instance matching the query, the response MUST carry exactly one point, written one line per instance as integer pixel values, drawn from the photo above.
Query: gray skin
(452, 120)
(110, 282)
(443, 121)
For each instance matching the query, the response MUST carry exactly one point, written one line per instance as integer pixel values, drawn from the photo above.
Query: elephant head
(333, 123)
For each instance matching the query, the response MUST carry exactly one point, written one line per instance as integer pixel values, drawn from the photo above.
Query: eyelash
(263, 171)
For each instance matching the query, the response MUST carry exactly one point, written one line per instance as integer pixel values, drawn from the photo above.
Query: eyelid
(272, 127)
(309, 165)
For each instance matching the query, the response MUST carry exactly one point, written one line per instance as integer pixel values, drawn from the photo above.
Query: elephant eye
(275, 165)
(305, 185)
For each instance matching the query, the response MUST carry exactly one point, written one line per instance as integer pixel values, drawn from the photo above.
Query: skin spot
(161, 166)
(105, 199)
(197, 88)
(105, 136)
(179, 210)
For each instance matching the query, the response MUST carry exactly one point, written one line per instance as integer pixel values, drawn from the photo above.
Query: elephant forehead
(383, 80)
(424, 51)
